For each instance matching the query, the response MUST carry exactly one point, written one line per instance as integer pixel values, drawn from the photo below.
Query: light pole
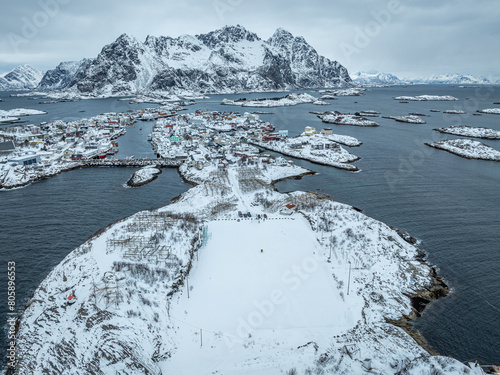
(349, 279)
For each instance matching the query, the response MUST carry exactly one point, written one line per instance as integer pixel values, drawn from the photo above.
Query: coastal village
(31, 152)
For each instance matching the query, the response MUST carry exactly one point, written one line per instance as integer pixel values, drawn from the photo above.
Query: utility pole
(201, 337)
(349, 280)
(187, 281)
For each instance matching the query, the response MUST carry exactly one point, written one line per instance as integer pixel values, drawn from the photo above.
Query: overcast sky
(403, 37)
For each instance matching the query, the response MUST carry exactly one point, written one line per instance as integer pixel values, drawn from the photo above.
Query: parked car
(265, 216)
(249, 214)
(244, 215)
(240, 214)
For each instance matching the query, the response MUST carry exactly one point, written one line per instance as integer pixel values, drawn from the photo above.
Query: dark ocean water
(449, 203)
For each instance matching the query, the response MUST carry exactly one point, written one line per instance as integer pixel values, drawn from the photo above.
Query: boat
(102, 155)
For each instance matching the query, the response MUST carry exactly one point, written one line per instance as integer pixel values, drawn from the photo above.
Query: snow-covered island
(410, 119)
(316, 147)
(235, 277)
(8, 120)
(144, 176)
(455, 112)
(421, 98)
(337, 118)
(471, 131)
(13, 115)
(467, 148)
(285, 101)
(493, 111)
(332, 94)
(369, 113)
(21, 112)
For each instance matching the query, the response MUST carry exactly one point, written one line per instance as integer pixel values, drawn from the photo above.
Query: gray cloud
(422, 37)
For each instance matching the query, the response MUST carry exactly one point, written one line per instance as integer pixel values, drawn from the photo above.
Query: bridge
(137, 163)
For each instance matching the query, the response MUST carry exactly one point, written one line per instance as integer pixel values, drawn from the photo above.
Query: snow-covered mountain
(376, 78)
(450, 79)
(370, 78)
(230, 59)
(65, 75)
(21, 78)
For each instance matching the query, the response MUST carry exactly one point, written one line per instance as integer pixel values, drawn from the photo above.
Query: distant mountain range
(364, 78)
(23, 77)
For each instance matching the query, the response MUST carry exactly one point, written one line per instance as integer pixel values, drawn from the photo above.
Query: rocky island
(467, 148)
(422, 98)
(337, 118)
(493, 111)
(409, 119)
(289, 100)
(471, 131)
(144, 176)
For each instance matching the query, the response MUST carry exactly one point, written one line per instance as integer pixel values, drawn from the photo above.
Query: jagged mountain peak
(125, 38)
(226, 35)
(293, 46)
(281, 33)
(281, 37)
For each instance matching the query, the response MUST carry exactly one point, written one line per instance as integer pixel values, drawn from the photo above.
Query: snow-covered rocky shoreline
(332, 276)
(467, 148)
(471, 131)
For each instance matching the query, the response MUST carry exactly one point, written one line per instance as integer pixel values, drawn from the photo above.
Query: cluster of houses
(207, 137)
(61, 140)
(38, 145)
(227, 137)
